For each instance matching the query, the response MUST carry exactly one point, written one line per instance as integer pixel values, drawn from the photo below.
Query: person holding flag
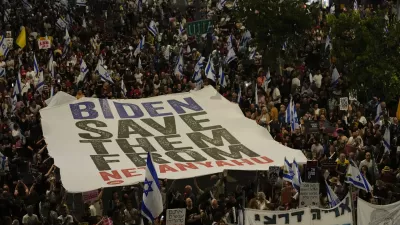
(152, 205)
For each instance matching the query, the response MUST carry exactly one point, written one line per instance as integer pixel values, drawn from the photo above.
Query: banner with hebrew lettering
(339, 215)
(370, 214)
(104, 142)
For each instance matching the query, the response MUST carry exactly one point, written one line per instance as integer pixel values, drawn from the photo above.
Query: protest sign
(176, 216)
(44, 43)
(188, 134)
(344, 103)
(339, 215)
(370, 214)
(309, 194)
(311, 127)
(273, 174)
(90, 196)
(311, 171)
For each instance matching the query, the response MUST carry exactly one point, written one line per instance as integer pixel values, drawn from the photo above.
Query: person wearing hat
(387, 176)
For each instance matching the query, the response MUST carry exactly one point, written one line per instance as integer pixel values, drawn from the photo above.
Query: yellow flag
(21, 40)
(398, 110)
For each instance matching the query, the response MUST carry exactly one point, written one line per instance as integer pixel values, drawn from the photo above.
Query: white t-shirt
(66, 220)
(138, 77)
(317, 80)
(30, 220)
(275, 94)
(296, 81)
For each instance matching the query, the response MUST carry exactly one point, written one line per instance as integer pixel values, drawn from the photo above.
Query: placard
(344, 104)
(339, 215)
(188, 135)
(273, 174)
(311, 127)
(90, 196)
(312, 171)
(309, 194)
(176, 216)
(44, 43)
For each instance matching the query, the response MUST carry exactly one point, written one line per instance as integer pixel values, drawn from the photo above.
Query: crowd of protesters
(31, 191)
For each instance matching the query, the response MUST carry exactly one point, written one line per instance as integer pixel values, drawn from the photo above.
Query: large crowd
(31, 191)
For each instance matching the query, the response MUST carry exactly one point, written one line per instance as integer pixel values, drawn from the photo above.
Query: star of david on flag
(152, 205)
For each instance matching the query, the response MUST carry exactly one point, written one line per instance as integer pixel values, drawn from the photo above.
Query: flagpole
(353, 212)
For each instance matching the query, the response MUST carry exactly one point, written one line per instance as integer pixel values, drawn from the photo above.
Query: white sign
(44, 43)
(339, 215)
(309, 194)
(188, 134)
(344, 103)
(176, 216)
(369, 214)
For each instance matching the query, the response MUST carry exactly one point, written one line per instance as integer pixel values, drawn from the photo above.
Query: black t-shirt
(192, 212)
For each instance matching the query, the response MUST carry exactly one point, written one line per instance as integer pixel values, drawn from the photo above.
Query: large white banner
(369, 214)
(339, 215)
(101, 143)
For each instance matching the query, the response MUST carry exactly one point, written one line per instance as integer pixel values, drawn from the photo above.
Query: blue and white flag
(2, 72)
(379, 113)
(296, 175)
(179, 67)
(335, 77)
(252, 53)
(67, 41)
(333, 199)
(287, 171)
(239, 96)
(222, 79)
(140, 5)
(61, 23)
(26, 5)
(328, 42)
(3, 47)
(81, 2)
(246, 37)
(197, 70)
(210, 72)
(291, 115)
(83, 71)
(181, 29)
(221, 4)
(231, 56)
(35, 65)
(18, 85)
(152, 205)
(7, 13)
(123, 88)
(386, 140)
(267, 80)
(139, 47)
(40, 83)
(355, 178)
(284, 46)
(230, 42)
(103, 73)
(50, 66)
(153, 28)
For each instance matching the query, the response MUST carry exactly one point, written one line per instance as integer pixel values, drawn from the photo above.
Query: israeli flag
(221, 4)
(3, 47)
(40, 83)
(231, 56)
(2, 72)
(210, 72)
(197, 70)
(287, 171)
(291, 115)
(386, 140)
(296, 175)
(26, 5)
(123, 88)
(140, 5)
(284, 46)
(246, 37)
(333, 199)
(167, 52)
(230, 42)
(153, 28)
(7, 13)
(18, 86)
(252, 53)
(267, 80)
(355, 178)
(222, 78)
(103, 73)
(50, 65)
(66, 43)
(81, 2)
(328, 42)
(181, 29)
(139, 47)
(379, 113)
(239, 97)
(335, 77)
(179, 67)
(152, 205)
(83, 71)
(35, 65)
